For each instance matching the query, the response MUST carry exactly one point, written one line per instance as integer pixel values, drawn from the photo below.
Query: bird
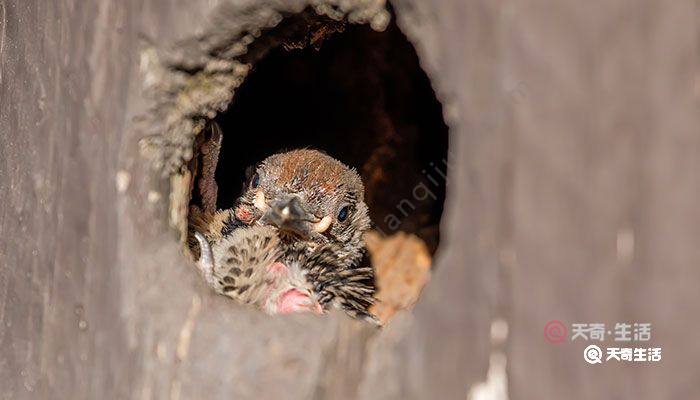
(252, 266)
(293, 240)
(311, 197)
(245, 266)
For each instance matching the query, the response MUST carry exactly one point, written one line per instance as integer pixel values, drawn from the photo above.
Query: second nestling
(293, 241)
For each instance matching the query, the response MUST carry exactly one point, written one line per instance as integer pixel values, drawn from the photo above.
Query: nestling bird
(293, 242)
(309, 196)
(245, 265)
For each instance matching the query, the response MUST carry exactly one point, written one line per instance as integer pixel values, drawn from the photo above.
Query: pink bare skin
(293, 301)
(284, 297)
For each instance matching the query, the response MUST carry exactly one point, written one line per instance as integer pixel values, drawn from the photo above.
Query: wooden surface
(573, 191)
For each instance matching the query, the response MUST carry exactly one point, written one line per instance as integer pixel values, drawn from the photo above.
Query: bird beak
(289, 216)
(322, 225)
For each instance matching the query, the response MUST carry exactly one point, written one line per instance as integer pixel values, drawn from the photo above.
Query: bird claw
(205, 264)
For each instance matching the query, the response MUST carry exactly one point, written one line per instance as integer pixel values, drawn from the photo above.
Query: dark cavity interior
(363, 99)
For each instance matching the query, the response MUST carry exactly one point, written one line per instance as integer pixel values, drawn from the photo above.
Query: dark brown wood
(573, 192)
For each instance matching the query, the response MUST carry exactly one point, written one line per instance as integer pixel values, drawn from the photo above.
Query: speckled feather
(240, 264)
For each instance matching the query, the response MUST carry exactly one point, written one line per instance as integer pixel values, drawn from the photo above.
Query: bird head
(308, 196)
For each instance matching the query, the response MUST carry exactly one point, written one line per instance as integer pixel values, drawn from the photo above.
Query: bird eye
(343, 213)
(255, 181)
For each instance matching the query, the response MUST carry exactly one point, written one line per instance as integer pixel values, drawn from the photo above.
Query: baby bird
(252, 266)
(245, 266)
(293, 242)
(310, 197)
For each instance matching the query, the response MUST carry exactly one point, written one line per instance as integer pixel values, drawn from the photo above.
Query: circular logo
(555, 332)
(593, 354)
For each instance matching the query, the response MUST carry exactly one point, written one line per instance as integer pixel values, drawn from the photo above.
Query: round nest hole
(362, 97)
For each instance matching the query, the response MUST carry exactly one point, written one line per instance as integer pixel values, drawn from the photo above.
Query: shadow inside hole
(364, 100)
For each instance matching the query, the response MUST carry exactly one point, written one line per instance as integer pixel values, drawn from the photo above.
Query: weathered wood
(605, 221)
(574, 152)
